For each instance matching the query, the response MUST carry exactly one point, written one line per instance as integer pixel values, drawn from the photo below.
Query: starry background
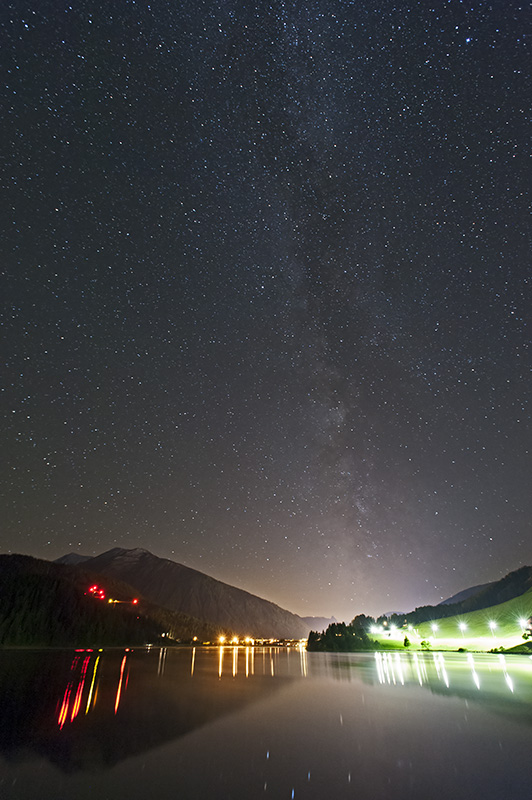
(266, 277)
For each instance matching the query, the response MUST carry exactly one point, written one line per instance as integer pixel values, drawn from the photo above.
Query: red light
(135, 601)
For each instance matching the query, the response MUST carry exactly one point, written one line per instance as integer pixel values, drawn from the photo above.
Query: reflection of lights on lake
(419, 677)
(440, 668)
(471, 662)
(119, 689)
(303, 661)
(509, 681)
(387, 670)
(400, 668)
(91, 690)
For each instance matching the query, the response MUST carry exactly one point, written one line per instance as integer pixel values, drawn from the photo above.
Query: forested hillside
(44, 604)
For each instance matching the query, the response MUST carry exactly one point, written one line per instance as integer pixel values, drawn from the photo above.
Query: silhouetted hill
(512, 585)
(183, 589)
(464, 594)
(43, 604)
(72, 559)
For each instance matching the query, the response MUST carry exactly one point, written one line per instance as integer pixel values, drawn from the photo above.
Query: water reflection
(268, 722)
(78, 710)
(431, 670)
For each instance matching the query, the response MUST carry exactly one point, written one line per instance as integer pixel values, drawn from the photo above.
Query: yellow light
(221, 639)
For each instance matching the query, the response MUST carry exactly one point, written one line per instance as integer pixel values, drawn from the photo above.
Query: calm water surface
(263, 723)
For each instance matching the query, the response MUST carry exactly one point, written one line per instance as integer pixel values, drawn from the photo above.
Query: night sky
(266, 291)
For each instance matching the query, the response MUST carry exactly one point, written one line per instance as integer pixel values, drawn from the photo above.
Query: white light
(462, 626)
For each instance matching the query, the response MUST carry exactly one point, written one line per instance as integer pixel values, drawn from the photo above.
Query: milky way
(266, 281)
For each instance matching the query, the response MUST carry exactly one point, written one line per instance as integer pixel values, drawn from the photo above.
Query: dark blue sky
(267, 291)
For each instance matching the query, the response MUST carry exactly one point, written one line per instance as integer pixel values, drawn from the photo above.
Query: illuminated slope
(500, 625)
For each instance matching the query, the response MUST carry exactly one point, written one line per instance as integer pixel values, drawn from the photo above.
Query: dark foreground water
(251, 723)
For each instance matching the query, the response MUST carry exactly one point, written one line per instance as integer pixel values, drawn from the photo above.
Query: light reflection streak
(247, 662)
(441, 672)
(162, 661)
(392, 670)
(235, 661)
(64, 707)
(91, 690)
(303, 661)
(193, 661)
(378, 661)
(119, 689)
(400, 668)
(509, 681)
(421, 669)
(386, 668)
(474, 674)
(220, 662)
(66, 698)
(81, 684)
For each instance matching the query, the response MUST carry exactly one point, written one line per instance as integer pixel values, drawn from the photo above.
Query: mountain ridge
(43, 603)
(184, 589)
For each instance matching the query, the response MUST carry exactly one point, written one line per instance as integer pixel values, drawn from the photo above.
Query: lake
(243, 722)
